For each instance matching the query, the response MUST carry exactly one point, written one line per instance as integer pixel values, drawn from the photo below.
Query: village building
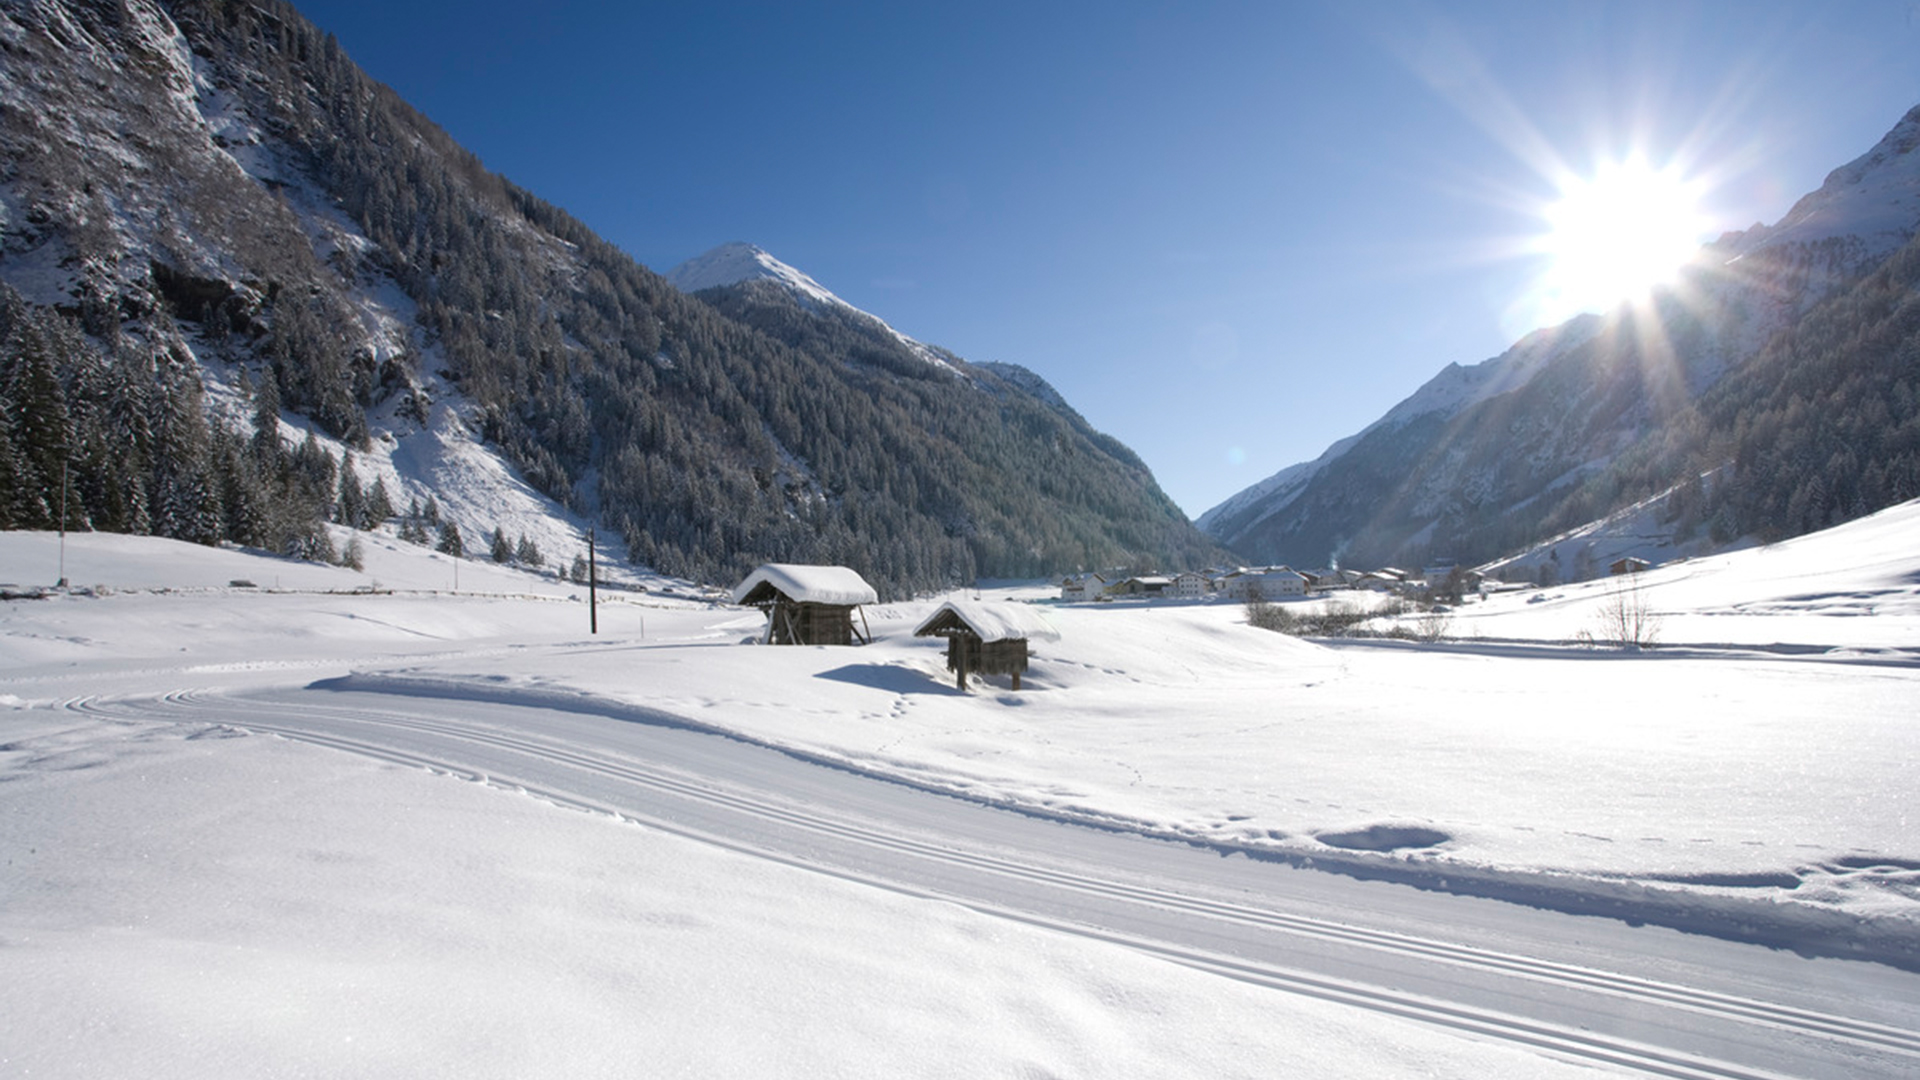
(1628, 565)
(1148, 585)
(1273, 583)
(1386, 579)
(1082, 588)
(808, 605)
(986, 639)
(1190, 585)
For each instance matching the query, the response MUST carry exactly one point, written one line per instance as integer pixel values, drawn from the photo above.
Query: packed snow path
(1593, 989)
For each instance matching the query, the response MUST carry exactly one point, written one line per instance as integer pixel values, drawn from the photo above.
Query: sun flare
(1616, 234)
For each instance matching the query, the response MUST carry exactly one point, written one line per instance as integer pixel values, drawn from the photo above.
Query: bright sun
(1615, 235)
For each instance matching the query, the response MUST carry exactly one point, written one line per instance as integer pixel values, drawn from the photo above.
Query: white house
(1272, 584)
(1191, 585)
(1082, 588)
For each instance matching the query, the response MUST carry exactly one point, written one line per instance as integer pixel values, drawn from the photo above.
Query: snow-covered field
(187, 899)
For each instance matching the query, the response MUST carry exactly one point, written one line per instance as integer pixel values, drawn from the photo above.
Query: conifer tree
(350, 503)
(379, 503)
(527, 553)
(12, 472)
(41, 428)
(266, 421)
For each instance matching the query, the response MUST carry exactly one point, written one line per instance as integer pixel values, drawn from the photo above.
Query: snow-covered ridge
(1453, 389)
(738, 262)
(1030, 382)
(1875, 197)
(731, 264)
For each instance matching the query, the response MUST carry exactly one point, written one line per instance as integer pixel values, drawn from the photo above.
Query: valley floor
(181, 888)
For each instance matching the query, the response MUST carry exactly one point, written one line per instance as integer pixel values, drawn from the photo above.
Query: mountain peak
(739, 262)
(1874, 198)
(733, 263)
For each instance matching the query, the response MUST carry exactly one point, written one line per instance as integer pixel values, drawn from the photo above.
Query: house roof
(991, 622)
(809, 584)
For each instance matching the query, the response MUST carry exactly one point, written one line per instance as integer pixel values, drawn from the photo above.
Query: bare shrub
(1625, 619)
(1338, 618)
(1433, 625)
(1269, 616)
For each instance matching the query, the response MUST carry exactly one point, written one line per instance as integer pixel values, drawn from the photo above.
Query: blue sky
(1230, 234)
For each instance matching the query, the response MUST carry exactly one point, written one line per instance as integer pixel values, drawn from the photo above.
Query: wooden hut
(987, 638)
(808, 605)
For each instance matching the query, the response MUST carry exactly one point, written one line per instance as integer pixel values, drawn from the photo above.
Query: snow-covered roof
(993, 622)
(809, 584)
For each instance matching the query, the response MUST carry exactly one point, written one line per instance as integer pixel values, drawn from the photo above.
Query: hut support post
(959, 647)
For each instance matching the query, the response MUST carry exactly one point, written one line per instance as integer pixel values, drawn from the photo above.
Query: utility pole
(63, 523)
(593, 582)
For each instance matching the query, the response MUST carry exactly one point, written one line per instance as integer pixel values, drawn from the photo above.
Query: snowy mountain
(1871, 203)
(741, 265)
(212, 224)
(731, 264)
(1580, 420)
(1446, 394)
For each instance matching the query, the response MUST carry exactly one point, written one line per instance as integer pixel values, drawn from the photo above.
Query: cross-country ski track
(1585, 988)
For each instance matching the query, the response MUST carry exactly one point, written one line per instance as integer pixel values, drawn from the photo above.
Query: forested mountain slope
(199, 188)
(1783, 364)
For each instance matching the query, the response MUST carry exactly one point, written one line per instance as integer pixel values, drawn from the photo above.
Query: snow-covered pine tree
(379, 503)
(527, 553)
(350, 501)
